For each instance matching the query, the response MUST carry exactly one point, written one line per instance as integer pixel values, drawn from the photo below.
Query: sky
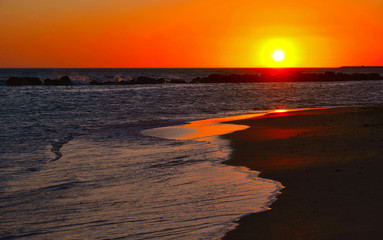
(190, 33)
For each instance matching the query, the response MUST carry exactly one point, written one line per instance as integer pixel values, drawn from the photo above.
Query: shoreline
(210, 131)
(329, 160)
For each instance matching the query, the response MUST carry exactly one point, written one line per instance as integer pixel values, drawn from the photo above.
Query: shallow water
(101, 190)
(74, 163)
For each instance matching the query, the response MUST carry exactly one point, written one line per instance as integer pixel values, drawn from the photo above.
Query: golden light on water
(280, 110)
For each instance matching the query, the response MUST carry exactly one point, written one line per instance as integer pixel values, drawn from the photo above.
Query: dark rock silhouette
(93, 82)
(232, 78)
(276, 76)
(63, 81)
(177, 81)
(23, 81)
(364, 76)
(105, 83)
(148, 80)
(139, 80)
(288, 77)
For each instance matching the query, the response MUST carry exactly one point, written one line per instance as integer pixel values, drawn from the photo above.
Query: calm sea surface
(75, 165)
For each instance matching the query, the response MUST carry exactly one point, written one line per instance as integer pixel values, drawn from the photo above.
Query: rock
(148, 80)
(63, 81)
(93, 82)
(22, 81)
(128, 82)
(177, 81)
(287, 77)
(232, 78)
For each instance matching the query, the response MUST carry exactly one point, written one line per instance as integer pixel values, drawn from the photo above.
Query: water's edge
(195, 131)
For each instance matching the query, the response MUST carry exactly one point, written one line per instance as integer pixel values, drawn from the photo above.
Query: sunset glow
(186, 33)
(278, 52)
(278, 55)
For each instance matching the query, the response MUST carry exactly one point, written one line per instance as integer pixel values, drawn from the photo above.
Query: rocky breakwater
(23, 81)
(35, 81)
(63, 81)
(288, 77)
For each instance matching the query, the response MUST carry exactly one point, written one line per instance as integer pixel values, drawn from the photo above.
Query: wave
(56, 146)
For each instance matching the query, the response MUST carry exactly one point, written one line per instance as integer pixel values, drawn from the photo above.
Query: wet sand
(329, 160)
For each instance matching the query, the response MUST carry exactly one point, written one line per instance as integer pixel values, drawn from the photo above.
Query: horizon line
(362, 66)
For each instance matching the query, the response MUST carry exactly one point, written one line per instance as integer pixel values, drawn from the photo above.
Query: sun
(278, 52)
(278, 55)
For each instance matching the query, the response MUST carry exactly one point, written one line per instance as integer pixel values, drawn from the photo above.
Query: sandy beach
(329, 160)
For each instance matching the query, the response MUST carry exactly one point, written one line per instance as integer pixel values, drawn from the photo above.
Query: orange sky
(190, 33)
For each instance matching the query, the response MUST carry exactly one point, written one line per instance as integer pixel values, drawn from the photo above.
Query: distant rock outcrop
(288, 77)
(63, 81)
(148, 80)
(23, 81)
(139, 80)
(93, 82)
(177, 81)
(265, 76)
(232, 78)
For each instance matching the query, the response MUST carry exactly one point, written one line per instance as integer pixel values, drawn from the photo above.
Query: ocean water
(74, 163)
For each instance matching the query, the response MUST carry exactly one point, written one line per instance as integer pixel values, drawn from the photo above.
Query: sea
(75, 162)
